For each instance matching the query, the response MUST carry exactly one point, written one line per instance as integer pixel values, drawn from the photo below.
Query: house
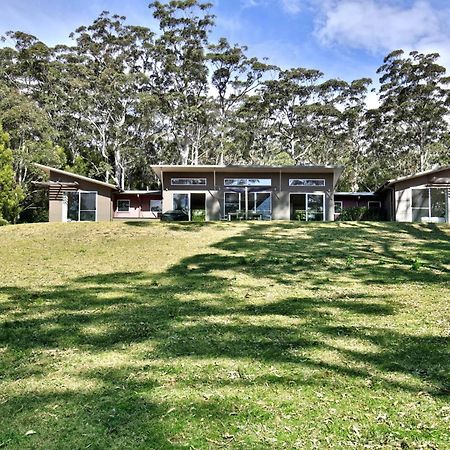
(213, 191)
(423, 197)
(265, 192)
(75, 198)
(344, 200)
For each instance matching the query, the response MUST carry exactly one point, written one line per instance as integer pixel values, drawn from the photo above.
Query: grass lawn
(224, 335)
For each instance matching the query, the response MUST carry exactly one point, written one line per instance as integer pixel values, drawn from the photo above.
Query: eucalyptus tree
(181, 75)
(412, 120)
(354, 154)
(102, 78)
(11, 194)
(234, 77)
(291, 100)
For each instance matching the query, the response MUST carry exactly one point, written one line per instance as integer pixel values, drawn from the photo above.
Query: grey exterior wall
(402, 193)
(104, 197)
(280, 190)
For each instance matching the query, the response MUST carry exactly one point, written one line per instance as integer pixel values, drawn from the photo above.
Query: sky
(345, 39)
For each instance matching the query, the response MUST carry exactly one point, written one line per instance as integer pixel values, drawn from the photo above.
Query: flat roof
(183, 168)
(49, 169)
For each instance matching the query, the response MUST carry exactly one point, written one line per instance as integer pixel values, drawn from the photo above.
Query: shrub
(198, 215)
(3, 222)
(300, 214)
(361, 213)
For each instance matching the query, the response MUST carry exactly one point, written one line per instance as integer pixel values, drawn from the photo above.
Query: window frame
(334, 206)
(267, 182)
(306, 194)
(79, 193)
(305, 182)
(203, 181)
(430, 207)
(123, 200)
(378, 202)
(225, 213)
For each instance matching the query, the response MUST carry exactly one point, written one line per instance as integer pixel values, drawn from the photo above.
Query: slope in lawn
(252, 335)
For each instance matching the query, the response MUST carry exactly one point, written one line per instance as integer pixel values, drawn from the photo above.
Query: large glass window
(315, 207)
(247, 182)
(428, 204)
(438, 205)
(233, 202)
(181, 201)
(123, 205)
(263, 203)
(307, 207)
(73, 206)
(156, 206)
(188, 181)
(81, 206)
(306, 182)
(338, 207)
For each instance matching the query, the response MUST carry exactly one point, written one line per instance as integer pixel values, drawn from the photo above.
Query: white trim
(224, 201)
(306, 202)
(122, 200)
(303, 182)
(79, 192)
(203, 183)
(334, 206)
(189, 193)
(428, 188)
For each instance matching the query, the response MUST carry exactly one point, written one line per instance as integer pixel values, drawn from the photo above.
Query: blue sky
(344, 38)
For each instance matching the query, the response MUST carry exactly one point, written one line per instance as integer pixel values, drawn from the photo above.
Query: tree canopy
(122, 97)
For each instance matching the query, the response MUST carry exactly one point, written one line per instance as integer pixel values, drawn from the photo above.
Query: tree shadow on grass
(194, 311)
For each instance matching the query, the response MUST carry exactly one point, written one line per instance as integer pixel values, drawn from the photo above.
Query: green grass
(224, 335)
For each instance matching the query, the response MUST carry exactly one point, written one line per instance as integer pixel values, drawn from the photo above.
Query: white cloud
(382, 26)
(291, 6)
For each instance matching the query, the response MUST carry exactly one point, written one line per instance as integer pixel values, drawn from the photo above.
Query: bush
(3, 222)
(300, 214)
(198, 215)
(361, 213)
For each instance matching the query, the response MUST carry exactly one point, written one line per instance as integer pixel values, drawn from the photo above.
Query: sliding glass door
(307, 207)
(257, 203)
(80, 206)
(429, 205)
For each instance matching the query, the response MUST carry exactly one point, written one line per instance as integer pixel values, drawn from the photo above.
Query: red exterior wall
(139, 206)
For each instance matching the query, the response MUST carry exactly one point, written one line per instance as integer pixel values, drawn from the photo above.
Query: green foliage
(361, 213)
(123, 96)
(11, 195)
(416, 264)
(198, 215)
(300, 214)
(236, 336)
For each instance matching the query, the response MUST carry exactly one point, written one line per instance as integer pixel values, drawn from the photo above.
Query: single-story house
(267, 192)
(75, 198)
(344, 200)
(215, 192)
(422, 197)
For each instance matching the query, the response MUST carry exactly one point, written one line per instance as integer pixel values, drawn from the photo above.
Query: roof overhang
(357, 194)
(307, 169)
(392, 182)
(49, 170)
(138, 192)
